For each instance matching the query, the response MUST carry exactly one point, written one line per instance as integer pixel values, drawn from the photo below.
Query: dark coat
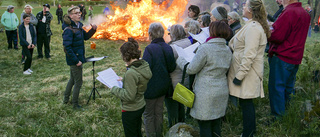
(74, 41)
(47, 28)
(23, 35)
(161, 60)
(276, 15)
(59, 12)
(235, 26)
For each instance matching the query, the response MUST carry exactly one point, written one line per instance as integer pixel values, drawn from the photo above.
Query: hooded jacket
(9, 20)
(135, 83)
(74, 41)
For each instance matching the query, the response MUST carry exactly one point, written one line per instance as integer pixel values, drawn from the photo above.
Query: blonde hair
(259, 14)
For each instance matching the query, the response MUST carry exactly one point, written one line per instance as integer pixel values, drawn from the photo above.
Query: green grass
(32, 105)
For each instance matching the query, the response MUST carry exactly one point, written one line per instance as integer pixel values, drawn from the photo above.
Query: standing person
(287, 40)
(59, 13)
(43, 31)
(276, 15)
(84, 13)
(245, 77)
(10, 21)
(176, 111)
(73, 42)
(234, 21)
(135, 82)
(106, 11)
(193, 12)
(33, 20)
(210, 64)
(28, 39)
(311, 14)
(161, 60)
(221, 14)
(90, 13)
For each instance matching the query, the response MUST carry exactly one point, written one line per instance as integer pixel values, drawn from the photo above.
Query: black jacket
(161, 60)
(23, 35)
(73, 41)
(44, 27)
(276, 15)
(59, 12)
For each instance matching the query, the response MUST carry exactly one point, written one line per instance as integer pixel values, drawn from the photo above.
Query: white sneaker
(26, 72)
(29, 70)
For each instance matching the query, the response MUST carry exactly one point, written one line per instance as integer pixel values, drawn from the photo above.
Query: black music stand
(94, 89)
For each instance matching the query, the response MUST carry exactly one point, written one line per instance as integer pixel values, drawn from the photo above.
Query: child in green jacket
(135, 83)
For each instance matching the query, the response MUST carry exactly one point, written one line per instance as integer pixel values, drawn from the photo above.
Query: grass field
(32, 105)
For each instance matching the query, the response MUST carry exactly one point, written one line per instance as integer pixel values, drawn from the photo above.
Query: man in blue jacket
(73, 41)
(10, 21)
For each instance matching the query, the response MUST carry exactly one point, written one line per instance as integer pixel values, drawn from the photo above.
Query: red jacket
(289, 34)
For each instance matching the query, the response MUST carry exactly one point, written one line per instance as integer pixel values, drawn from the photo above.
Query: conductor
(73, 41)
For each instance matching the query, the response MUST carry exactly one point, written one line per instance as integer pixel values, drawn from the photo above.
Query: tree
(20, 3)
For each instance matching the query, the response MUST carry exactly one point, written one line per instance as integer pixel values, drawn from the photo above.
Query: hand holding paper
(109, 78)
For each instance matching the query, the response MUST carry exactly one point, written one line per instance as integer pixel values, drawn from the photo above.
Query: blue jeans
(282, 78)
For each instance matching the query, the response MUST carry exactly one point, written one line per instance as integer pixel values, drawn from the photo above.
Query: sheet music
(201, 37)
(109, 78)
(96, 59)
(187, 53)
(206, 31)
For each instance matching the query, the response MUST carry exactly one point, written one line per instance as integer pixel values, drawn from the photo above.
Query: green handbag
(183, 94)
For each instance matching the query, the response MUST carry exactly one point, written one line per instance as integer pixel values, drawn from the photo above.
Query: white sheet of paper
(99, 78)
(96, 59)
(206, 30)
(110, 77)
(201, 37)
(187, 53)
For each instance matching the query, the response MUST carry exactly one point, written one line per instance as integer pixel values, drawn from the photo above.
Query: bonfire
(134, 21)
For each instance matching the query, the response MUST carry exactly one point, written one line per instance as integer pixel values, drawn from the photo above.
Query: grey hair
(177, 32)
(192, 26)
(234, 15)
(205, 20)
(156, 30)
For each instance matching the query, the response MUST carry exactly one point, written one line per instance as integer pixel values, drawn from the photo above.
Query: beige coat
(248, 47)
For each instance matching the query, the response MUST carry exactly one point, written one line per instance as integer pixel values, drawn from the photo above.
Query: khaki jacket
(248, 47)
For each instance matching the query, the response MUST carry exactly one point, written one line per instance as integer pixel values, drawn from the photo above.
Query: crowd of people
(227, 66)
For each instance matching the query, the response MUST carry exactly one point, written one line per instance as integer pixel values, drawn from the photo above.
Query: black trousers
(210, 128)
(248, 116)
(12, 36)
(131, 121)
(28, 54)
(43, 39)
(176, 111)
(59, 19)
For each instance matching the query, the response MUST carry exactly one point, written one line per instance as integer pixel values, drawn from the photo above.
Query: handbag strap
(184, 72)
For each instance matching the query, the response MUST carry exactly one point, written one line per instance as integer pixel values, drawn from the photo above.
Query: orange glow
(134, 21)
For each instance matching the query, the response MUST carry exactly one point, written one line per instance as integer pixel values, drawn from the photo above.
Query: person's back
(289, 34)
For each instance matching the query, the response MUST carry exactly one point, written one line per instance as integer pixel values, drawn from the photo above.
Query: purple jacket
(289, 34)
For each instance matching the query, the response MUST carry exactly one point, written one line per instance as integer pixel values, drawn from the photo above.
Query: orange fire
(134, 21)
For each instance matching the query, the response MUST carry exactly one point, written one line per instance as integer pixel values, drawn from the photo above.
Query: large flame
(134, 21)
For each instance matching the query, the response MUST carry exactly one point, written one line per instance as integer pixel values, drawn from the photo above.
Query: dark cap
(47, 5)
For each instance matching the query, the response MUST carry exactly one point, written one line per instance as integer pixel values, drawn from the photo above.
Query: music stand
(94, 89)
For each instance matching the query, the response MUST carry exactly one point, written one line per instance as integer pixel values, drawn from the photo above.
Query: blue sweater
(161, 60)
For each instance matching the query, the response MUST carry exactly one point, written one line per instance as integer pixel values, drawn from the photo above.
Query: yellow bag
(183, 94)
